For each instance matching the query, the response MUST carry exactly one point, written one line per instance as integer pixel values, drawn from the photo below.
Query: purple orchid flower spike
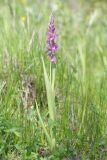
(51, 40)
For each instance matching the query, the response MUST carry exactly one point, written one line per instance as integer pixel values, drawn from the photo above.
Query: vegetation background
(80, 125)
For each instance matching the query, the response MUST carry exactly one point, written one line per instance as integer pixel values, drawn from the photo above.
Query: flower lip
(53, 59)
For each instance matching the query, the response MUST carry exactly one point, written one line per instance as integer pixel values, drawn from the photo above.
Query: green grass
(68, 112)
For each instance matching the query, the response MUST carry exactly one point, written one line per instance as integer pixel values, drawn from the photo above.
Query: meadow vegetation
(53, 112)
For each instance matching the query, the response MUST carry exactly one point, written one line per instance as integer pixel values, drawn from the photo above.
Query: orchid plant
(51, 47)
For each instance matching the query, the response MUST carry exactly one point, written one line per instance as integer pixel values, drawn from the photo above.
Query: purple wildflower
(51, 37)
